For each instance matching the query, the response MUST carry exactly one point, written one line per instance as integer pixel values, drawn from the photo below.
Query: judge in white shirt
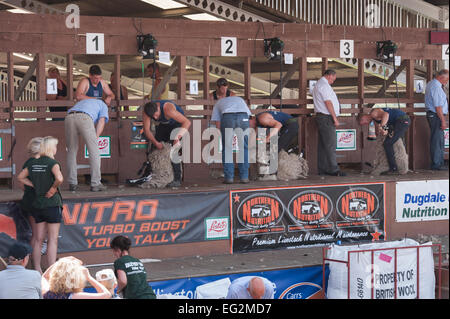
(327, 109)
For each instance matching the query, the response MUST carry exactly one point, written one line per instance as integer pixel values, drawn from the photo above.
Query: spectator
(436, 104)
(170, 117)
(44, 175)
(393, 123)
(86, 118)
(249, 287)
(155, 74)
(67, 278)
(327, 108)
(34, 151)
(17, 282)
(107, 278)
(94, 87)
(130, 271)
(231, 113)
(53, 73)
(222, 90)
(123, 90)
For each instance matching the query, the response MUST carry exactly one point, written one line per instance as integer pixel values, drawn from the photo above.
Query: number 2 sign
(229, 46)
(95, 43)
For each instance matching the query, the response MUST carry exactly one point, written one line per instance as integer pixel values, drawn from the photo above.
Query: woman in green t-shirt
(130, 271)
(34, 151)
(44, 175)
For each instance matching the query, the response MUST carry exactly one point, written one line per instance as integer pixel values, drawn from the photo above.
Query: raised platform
(213, 257)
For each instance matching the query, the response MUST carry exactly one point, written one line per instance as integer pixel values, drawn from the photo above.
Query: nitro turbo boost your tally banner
(307, 216)
(147, 220)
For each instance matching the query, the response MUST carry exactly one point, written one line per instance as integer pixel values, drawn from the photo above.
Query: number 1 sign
(95, 43)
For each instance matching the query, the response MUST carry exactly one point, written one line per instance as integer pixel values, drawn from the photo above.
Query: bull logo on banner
(260, 210)
(310, 207)
(357, 204)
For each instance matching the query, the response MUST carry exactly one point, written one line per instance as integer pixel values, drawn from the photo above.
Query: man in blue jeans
(231, 114)
(437, 107)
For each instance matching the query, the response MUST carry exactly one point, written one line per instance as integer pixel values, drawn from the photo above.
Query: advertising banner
(302, 216)
(422, 200)
(295, 283)
(13, 226)
(147, 220)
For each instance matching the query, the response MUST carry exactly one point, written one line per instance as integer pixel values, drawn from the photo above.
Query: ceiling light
(19, 11)
(165, 4)
(202, 17)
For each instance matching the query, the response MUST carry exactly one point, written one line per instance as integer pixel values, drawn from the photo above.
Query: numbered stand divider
(372, 251)
(346, 49)
(228, 46)
(95, 43)
(445, 53)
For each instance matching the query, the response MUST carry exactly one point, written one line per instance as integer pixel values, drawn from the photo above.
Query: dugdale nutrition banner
(307, 216)
(422, 200)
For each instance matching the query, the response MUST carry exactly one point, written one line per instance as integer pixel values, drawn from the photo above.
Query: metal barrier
(372, 251)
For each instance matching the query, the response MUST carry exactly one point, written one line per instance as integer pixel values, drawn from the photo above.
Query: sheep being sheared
(291, 166)
(162, 172)
(381, 164)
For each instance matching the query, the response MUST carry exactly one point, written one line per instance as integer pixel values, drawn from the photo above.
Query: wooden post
(206, 82)
(69, 76)
(361, 82)
(181, 74)
(324, 65)
(41, 85)
(247, 80)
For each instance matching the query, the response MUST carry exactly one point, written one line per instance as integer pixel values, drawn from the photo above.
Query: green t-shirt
(40, 174)
(28, 193)
(137, 286)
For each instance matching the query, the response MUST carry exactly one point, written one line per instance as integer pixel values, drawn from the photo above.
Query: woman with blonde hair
(66, 279)
(34, 152)
(44, 175)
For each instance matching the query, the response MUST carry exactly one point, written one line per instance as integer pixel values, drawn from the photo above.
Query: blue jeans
(228, 125)
(400, 127)
(436, 140)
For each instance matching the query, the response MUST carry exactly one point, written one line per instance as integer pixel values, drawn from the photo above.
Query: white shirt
(230, 104)
(324, 92)
(238, 288)
(16, 282)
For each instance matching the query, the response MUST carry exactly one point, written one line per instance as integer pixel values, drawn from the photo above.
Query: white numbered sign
(445, 52)
(346, 49)
(95, 43)
(52, 86)
(193, 87)
(229, 46)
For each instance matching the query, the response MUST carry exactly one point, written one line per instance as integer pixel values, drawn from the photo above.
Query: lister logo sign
(422, 200)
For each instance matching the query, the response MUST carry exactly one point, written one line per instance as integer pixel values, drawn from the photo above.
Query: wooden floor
(353, 176)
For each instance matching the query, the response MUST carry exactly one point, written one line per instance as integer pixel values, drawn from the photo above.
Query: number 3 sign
(229, 46)
(346, 49)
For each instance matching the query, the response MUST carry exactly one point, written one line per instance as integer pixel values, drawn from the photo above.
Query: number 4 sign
(445, 52)
(95, 43)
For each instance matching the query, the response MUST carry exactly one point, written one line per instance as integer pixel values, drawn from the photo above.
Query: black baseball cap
(19, 250)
